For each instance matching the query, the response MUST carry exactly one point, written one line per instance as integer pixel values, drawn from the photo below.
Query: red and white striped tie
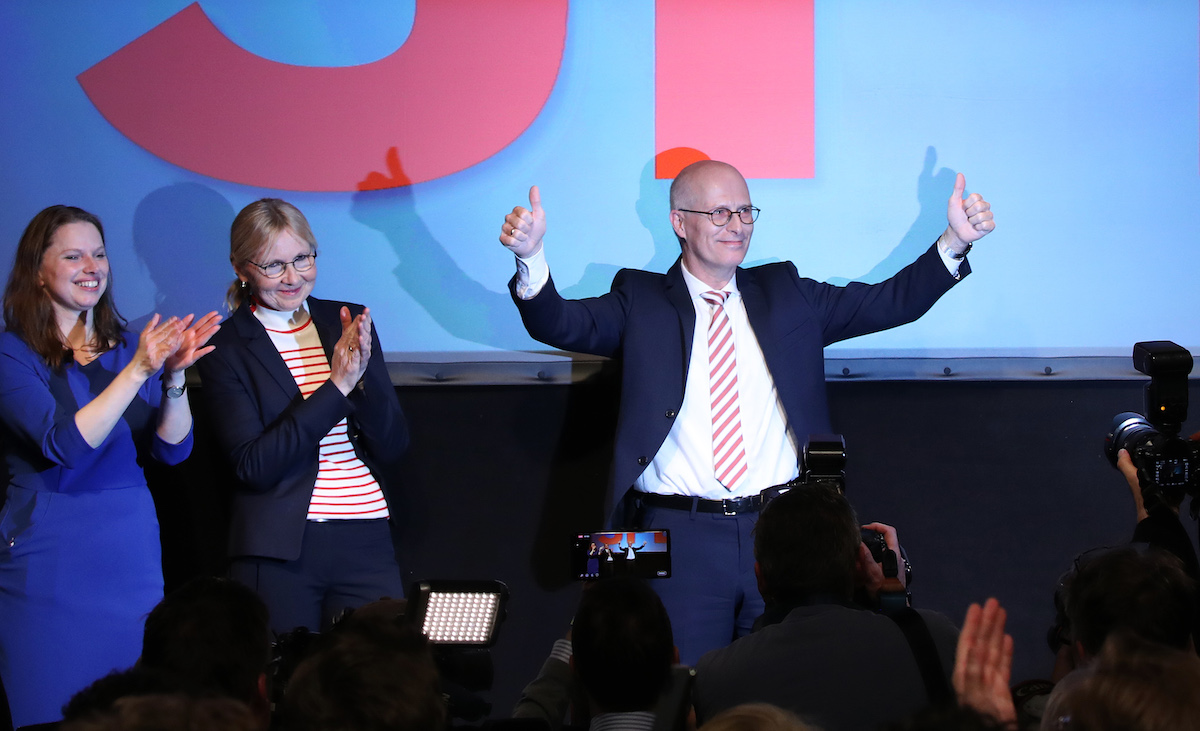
(729, 453)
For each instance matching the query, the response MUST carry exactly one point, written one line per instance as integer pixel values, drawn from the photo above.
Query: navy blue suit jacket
(647, 321)
(270, 432)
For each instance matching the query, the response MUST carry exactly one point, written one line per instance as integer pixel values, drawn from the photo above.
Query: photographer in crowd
(821, 648)
(619, 654)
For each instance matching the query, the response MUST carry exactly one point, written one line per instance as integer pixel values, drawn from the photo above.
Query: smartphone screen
(601, 554)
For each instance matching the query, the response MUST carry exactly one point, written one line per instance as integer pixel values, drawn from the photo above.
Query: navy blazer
(271, 433)
(647, 321)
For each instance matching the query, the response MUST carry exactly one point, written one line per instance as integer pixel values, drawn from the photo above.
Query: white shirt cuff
(951, 263)
(532, 274)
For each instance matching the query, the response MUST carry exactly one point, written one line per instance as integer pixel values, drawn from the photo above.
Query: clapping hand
(352, 351)
(158, 340)
(191, 348)
(983, 663)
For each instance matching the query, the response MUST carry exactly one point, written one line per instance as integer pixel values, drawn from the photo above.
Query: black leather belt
(728, 506)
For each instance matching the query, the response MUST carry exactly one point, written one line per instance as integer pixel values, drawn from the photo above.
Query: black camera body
(1168, 466)
(875, 543)
(823, 462)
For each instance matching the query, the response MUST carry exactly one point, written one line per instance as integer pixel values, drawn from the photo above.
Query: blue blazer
(647, 321)
(270, 432)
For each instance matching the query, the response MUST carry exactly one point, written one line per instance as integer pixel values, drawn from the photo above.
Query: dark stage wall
(993, 486)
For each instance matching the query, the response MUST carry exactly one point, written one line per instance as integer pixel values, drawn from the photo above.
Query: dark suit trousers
(712, 596)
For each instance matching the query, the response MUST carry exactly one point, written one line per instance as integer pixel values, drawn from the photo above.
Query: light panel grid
(460, 618)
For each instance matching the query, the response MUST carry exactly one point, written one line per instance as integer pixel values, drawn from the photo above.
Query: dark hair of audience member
(757, 717)
(212, 632)
(1148, 594)
(805, 543)
(949, 718)
(132, 682)
(367, 674)
(622, 646)
(1133, 685)
(176, 712)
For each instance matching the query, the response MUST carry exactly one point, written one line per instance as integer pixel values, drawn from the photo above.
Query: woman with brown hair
(80, 409)
(305, 410)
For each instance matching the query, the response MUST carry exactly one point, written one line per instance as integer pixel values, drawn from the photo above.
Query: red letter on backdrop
(444, 101)
(735, 80)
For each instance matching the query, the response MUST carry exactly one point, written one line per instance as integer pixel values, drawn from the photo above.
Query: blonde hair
(253, 230)
(756, 717)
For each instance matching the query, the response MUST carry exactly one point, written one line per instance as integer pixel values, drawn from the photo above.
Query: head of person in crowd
(949, 718)
(102, 694)
(712, 218)
(806, 544)
(622, 646)
(757, 717)
(175, 711)
(274, 255)
(214, 633)
(1133, 685)
(61, 271)
(372, 672)
(1146, 593)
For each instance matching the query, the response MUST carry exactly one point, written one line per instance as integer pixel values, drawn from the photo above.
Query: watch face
(174, 391)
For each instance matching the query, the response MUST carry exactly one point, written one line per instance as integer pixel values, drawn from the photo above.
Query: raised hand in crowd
(983, 662)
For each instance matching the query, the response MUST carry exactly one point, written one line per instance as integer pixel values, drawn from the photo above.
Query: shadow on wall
(181, 235)
(460, 305)
(654, 212)
(933, 191)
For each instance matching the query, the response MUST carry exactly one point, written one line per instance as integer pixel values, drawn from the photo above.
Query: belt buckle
(730, 506)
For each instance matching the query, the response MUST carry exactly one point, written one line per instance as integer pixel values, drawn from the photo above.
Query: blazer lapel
(260, 347)
(328, 323)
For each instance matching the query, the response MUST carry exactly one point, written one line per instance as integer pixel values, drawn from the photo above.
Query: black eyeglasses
(275, 269)
(722, 216)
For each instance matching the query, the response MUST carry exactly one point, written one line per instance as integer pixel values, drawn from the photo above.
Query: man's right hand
(523, 229)
(869, 574)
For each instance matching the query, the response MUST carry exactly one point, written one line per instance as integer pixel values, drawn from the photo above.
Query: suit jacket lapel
(678, 295)
(260, 347)
(756, 312)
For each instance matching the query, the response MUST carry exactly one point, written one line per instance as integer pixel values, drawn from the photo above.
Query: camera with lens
(1168, 466)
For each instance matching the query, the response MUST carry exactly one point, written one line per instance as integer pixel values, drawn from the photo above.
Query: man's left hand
(969, 220)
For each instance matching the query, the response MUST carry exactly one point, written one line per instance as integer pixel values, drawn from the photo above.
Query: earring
(244, 284)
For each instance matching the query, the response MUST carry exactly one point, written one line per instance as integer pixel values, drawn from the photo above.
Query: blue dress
(80, 560)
